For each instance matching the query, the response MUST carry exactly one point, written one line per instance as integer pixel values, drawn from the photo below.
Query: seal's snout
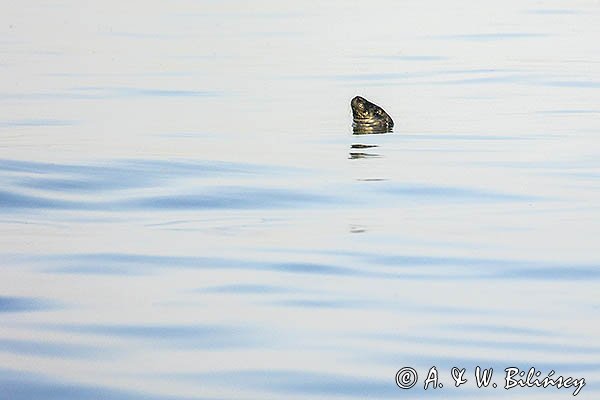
(369, 117)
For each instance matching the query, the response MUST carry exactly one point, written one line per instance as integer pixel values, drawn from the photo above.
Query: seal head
(369, 117)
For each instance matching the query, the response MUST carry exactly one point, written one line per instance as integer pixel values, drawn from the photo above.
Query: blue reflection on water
(18, 385)
(312, 303)
(310, 383)
(229, 198)
(126, 264)
(24, 304)
(10, 200)
(552, 273)
(490, 345)
(396, 260)
(501, 329)
(50, 349)
(116, 171)
(514, 78)
(478, 268)
(225, 197)
(587, 84)
(246, 289)
(128, 174)
(405, 267)
(451, 193)
(207, 337)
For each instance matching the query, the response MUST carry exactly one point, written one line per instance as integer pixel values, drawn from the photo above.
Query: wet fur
(369, 117)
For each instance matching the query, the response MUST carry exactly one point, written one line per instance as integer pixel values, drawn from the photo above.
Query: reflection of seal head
(369, 117)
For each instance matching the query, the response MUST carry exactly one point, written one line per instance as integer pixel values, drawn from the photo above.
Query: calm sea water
(182, 215)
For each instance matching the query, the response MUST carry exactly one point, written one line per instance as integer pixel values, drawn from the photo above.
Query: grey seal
(369, 117)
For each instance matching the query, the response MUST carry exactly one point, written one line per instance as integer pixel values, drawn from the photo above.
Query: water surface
(183, 214)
